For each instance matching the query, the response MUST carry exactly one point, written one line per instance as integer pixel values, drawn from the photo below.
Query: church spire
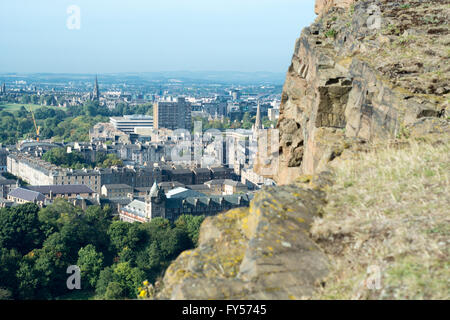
(258, 123)
(96, 90)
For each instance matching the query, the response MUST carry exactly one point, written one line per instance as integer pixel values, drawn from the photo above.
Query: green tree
(91, 263)
(114, 291)
(56, 215)
(126, 279)
(247, 121)
(151, 261)
(124, 234)
(28, 280)
(9, 264)
(105, 277)
(60, 157)
(191, 225)
(34, 99)
(20, 228)
(172, 242)
(129, 278)
(111, 160)
(25, 99)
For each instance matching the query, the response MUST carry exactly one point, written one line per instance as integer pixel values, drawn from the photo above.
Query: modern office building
(172, 115)
(127, 124)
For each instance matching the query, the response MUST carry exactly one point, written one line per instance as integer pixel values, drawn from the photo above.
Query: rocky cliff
(364, 74)
(364, 71)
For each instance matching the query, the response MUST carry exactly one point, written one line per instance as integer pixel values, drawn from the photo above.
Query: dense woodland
(37, 245)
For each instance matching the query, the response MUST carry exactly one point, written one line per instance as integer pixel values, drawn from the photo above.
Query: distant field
(17, 106)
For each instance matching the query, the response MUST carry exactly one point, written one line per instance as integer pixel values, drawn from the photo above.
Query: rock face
(322, 6)
(261, 252)
(361, 74)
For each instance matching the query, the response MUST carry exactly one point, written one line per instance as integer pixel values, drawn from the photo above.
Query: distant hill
(222, 77)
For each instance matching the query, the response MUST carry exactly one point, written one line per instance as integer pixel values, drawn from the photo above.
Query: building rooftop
(116, 186)
(219, 169)
(136, 207)
(180, 171)
(183, 193)
(27, 195)
(132, 117)
(61, 189)
(198, 187)
(7, 181)
(202, 170)
(172, 184)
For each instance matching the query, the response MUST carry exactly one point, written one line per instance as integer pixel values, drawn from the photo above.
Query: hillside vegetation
(387, 216)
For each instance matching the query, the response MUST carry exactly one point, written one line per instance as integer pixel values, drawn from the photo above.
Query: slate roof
(183, 193)
(27, 195)
(170, 184)
(233, 183)
(136, 207)
(234, 200)
(61, 189)
(219, 169)
(202, 170)
(215, 182)
(116, 186)
(142, 189)
(225, 182)
(198, 187)
(7, 182)
(180, 171)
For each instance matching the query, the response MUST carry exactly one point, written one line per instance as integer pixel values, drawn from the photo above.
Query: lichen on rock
(262, 252)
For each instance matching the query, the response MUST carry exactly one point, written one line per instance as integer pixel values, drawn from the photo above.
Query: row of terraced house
(36, 171)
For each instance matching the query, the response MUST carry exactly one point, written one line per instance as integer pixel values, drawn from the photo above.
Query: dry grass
(389, 211)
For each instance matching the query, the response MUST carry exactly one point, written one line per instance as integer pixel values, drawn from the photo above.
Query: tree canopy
(37, 245)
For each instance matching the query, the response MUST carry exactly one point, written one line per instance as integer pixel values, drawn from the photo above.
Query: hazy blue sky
(151, 35)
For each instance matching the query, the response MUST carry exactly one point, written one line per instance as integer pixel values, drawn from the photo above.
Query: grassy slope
(389, 209)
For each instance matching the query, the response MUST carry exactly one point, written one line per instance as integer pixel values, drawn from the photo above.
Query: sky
(117, 36)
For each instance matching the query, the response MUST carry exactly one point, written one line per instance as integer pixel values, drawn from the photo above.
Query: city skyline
(173, 35)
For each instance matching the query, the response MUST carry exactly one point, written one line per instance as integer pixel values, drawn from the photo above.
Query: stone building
(221, 173)
(3, 157)
(201, 175)
(184, 176)
(38, 172)
(179, 202)
(226, 186)
(6, 186)
(68, 192)
(116, 191)
(22, 196)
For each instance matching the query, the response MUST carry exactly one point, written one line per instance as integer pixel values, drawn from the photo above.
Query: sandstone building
(178, 202)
